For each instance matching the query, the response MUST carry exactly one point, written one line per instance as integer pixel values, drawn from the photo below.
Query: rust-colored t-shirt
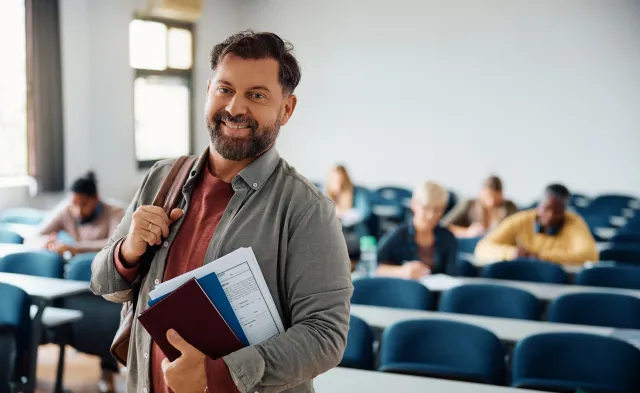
(209, 200)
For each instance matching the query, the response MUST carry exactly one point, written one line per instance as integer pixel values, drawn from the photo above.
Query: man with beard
(240, 193)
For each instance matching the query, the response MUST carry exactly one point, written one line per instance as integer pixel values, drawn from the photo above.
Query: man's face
(490, 198)
(551, 210)
(246, 106)
(83, 205)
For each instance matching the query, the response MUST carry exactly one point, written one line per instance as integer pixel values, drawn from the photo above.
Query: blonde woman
(352, 204)
(421, 246)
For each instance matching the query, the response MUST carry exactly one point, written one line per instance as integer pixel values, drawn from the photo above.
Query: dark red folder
(189, 312)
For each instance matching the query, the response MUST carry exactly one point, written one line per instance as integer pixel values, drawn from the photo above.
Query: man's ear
(208, 85)
(288, 108)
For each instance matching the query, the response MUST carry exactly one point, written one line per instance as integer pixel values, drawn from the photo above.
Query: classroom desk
(345, 380)
(23, 230)
(6, 249)
(43, 292)
(543, 291)
(508, 330)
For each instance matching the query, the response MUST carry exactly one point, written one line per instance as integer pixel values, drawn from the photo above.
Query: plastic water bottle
(369, 255)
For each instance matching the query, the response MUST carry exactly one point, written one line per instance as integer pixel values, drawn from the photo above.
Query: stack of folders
(219, 308)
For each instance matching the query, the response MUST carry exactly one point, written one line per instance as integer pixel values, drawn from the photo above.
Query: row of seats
(597, 309)
(620, 275)
(560, 362)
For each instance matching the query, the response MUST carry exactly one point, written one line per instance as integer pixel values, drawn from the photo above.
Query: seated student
(87, 219)
(90, 222)
(422, 246)
(548, 233)
(476, 217)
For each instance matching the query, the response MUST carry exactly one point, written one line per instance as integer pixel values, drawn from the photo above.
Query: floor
(82, 372)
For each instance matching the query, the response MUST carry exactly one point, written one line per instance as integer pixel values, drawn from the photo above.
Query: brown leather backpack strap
(175, 192)
(168, 183)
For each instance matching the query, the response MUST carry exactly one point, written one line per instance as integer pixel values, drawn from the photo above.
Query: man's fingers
(178, 342)
(155, 210)
(149, 237)
(165, 365)
(157, 221)
(175, 215)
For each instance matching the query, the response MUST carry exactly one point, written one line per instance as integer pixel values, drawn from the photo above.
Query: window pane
(148, 45)
(13, 89)
(161, 117)
(180, 55)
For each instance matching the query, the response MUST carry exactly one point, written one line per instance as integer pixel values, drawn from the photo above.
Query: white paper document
(246, 289)
(440, 282)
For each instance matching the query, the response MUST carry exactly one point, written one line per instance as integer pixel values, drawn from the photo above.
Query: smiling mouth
(235, 126)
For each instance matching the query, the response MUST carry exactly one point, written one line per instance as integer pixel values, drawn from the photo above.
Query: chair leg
(60, 371)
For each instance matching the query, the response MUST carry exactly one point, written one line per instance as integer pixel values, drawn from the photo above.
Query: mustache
(223, 115)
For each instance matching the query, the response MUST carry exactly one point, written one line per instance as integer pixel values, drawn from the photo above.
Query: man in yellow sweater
(548, 233)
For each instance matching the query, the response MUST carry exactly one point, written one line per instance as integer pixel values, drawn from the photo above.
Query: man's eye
(224, 90)
(257, 96)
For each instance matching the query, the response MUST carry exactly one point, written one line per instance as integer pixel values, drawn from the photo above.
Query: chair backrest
(79, 267)
(23, 215)
(468, 245)
(33, 263)
(491, 300)
(610, 276)
(598, 309)
(10, 237)
(451, 202)
(445, 349)
(611, 203)
(359, 351)
(14, 316)
(621, 254)
(626, 239)
(464, 268)
(526, 270)
(572, 361)
(393, 195)
(392, 292)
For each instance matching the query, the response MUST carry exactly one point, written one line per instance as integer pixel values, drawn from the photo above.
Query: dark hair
(249, 44)
(558, 190)
(86, 185)
(494, 183)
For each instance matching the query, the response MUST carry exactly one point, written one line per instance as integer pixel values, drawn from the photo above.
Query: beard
(236, 148)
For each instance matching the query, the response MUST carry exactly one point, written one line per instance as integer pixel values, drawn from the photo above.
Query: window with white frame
(161, 53)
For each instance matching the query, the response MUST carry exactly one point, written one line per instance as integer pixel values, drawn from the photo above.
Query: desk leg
(60, 373)
(36, 337)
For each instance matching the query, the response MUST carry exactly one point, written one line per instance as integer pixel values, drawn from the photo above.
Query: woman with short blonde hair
(422, 246)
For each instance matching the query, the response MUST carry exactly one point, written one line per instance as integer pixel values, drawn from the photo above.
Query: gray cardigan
(298, 242)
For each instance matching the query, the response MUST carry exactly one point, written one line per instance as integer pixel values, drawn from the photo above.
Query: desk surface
(6, 249)
(53, 316)
(439, 282)
(344, 380)
(509, 330)
(45, 288)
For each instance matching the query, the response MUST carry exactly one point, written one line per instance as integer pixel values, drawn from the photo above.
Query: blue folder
(212, 287)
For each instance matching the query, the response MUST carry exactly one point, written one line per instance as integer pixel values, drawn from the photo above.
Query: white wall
(403, 91)
(98, 87)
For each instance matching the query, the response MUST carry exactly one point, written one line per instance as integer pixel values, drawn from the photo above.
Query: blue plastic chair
(393, 197)
(392, 292)
(598, 309)
(359, 351)
(464, 268)
(627, 277)
(443, 349)
(610, 204)
(492, 301)
(34, 263)
(451, 202)
(526, 270)
(626, 239)
(15, 329)
(10, 237)
(94, 333)
(572, 361)
(621, 254)
(79, 267)
(22, 215)
(468, 245)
